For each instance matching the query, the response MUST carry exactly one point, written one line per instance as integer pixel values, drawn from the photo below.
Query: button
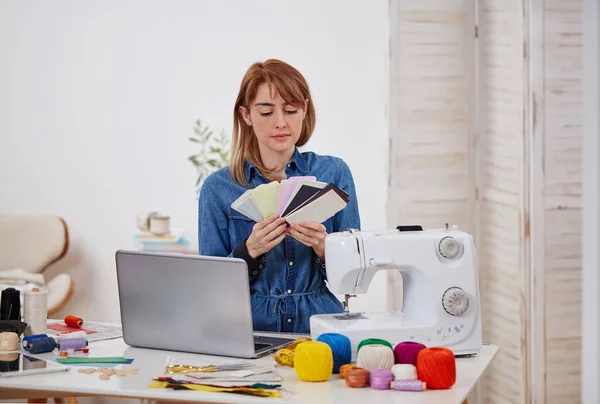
(289, 291)
(289, 165)
(289, 320)
(322, 265)
(255, 273)
(261, 266)
(291, 263)
(318, 260)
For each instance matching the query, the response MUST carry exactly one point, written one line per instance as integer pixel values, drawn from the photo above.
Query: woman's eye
(292, 112)
(265, 113)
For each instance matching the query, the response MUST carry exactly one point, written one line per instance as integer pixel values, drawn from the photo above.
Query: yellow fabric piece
(156, 384)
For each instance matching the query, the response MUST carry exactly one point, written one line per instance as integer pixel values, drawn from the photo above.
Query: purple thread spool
(76, 344)
(381, 379)
(408, 385)
(406, 352)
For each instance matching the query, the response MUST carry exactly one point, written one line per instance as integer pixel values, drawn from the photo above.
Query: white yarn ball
(375, 356)
(405, 371)
(9, 341)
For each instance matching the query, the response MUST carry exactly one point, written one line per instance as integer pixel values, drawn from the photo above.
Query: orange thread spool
(344, 369)
(437, 367)
(73, 321)
(357, 377)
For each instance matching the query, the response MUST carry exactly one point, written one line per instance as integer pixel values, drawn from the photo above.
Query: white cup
(160, 224)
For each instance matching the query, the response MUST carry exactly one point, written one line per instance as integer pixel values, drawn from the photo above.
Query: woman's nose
(279, 120)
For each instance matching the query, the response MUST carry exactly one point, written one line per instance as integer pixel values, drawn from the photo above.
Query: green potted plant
(214, 151)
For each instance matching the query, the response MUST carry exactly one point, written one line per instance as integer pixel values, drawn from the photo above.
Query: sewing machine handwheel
(455, 301)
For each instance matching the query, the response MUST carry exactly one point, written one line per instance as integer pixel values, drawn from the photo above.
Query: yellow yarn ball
(313, 361)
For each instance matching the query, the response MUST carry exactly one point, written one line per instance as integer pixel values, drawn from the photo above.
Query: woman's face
(277, 125)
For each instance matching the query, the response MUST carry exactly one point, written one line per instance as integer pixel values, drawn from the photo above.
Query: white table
(152, 363)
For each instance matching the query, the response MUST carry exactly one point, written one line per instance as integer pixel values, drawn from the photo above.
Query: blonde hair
(292, 87)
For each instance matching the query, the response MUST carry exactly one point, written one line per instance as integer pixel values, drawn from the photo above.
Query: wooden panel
(431, 68)
(562, 194)
(501, 224)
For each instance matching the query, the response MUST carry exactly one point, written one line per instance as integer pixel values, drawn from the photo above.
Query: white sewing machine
(441, 289)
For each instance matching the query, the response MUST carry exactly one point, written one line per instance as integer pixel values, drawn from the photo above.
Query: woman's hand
(310, 234)
(265, 235)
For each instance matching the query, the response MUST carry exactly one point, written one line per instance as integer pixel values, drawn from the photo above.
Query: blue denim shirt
(287, 284)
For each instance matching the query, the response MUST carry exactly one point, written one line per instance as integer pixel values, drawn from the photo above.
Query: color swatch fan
(297, 199)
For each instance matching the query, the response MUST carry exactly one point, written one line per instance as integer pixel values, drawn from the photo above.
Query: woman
(274, 114)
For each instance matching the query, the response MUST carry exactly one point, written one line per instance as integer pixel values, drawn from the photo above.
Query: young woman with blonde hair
(274, 114)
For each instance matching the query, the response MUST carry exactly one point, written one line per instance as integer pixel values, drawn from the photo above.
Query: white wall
(97, 100)
(591, 206)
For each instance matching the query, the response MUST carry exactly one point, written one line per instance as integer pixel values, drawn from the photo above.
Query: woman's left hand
(310, 234)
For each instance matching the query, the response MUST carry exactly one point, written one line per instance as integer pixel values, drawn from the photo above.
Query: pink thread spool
(381, 379)
(407, 351)
(408, 385)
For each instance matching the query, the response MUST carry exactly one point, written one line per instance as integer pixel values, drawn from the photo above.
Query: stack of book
(174, 242)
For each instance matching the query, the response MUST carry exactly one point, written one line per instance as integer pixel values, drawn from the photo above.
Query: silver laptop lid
(185, 303)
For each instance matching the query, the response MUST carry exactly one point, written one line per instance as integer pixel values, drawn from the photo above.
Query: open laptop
(189, 303)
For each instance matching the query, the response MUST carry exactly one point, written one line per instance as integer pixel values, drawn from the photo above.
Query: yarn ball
(340, 347)
(344, 369)
(373, 341)
(406, 352)
(374, 356)
(313, 361)
(405, 371)
(9, 341)
(357, 377)
(436, 366)
(381, 379)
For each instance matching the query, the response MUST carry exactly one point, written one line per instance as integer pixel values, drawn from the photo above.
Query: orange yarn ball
(436, 366)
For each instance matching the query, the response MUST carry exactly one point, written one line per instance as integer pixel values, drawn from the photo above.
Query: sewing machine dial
(455, 301)
(449, 247)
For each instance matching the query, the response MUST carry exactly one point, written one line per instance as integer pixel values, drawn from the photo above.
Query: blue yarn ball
(340, 347)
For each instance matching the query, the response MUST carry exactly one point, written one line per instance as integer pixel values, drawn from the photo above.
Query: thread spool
(10, 304)
(405, 371)
(341, 349)
(344, 369)
(9, 362)
(36, 310)
(408, 385)
(74, 334)
(73, 321)
(76, 344)
(373, 341)
(9, 341)
(143, 220)
(407, 351)
(380, 379)
(30, 337)
(437, 367)
(41, 345)
(375, 356)
(313, 361)
(357, 377)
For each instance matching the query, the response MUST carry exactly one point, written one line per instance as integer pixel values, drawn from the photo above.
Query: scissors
(179, 369)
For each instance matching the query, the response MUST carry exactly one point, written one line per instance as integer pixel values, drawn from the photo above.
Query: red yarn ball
(437, 367)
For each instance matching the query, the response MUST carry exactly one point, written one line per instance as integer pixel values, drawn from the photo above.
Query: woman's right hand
(265, 235)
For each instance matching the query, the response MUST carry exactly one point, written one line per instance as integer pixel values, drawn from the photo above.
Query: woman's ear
(305, 107)
(246, 115)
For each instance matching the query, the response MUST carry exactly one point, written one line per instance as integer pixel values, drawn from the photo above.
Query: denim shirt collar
(297, 161)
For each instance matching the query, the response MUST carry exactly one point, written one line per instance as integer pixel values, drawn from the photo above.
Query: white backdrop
(97, 100)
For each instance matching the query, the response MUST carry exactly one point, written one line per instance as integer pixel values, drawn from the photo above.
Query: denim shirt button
(318, 260)
(289, 320)
(322, 265)
(289, 291)
(255, 273)
(261, 266)
(291, 263)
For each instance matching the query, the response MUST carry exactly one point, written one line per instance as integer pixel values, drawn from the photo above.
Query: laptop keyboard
(258, 346)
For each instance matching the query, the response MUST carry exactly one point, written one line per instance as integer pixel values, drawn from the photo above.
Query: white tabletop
(152, 364)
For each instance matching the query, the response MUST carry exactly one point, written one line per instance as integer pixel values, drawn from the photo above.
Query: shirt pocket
(239, 226)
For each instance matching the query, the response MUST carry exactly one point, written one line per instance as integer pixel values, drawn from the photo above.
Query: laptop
(189, 303)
